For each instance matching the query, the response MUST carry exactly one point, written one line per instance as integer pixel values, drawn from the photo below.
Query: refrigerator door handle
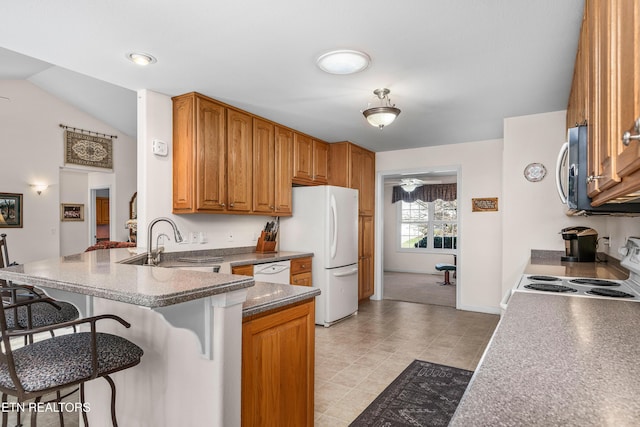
(334, 222)
(347, 273)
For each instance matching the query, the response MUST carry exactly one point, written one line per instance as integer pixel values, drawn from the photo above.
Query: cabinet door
(264, 159)
(243, 270)
(602, 155)
(577, 109)
(278, 368)
(365, 262)
(210, 156)
(320, 162)
(302, 158)
(367, 183)
(184, 152)
(239, 161)
(283, 170)
(627, 36)
(102, 210)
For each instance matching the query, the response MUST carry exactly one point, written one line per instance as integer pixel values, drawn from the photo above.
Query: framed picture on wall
(10, 210)
(71, 212)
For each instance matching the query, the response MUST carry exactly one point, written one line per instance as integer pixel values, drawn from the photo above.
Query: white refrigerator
(325, 222)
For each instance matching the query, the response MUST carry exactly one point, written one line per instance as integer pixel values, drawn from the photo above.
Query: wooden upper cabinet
(320, 162)
(283, 170)
(199, 147)
(264, 163)
(627, 21)
(239, 161)
(310, 160)
(302, 158)
(354, 167)
(578, 107)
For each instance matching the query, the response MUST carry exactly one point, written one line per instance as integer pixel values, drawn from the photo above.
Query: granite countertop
(100, 274)
(268, 296)
(558, 360)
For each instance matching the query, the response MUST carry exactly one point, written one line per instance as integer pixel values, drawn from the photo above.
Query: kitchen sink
(207, 264)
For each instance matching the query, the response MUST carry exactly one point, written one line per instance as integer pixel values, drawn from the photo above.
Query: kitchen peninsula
(189, 324)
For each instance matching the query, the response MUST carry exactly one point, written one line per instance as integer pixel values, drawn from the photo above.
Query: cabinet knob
(627, 137)
(273, 208)
(231, 205)
(222, 204)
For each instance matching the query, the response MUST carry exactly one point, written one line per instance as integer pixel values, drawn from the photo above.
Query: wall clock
(534, 172)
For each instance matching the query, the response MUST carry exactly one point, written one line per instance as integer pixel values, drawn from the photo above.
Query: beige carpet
(420, 288)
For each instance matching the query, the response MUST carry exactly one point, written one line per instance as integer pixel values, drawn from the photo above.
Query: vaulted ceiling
(455, 68)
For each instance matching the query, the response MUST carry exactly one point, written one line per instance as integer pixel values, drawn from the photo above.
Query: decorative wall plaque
(489, 204)
(88, 150)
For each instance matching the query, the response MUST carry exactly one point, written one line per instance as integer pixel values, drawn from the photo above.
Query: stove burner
(544, 278)
(594, 282)
(546, 287)
(609, 293)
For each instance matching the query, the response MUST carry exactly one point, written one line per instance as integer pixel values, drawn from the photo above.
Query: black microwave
(571, 178)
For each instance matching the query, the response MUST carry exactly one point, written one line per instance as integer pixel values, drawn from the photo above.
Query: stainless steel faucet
(176, 233)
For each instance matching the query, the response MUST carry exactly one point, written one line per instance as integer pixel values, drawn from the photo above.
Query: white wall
(480, 245)
(31, 143)
(155, 188)
(408, 262)
(73, 234)
(533, 214)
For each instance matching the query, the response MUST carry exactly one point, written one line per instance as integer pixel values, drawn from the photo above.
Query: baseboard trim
(487, 310)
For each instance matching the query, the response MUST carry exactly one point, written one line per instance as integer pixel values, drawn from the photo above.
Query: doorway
(415, 235)
(101, 217)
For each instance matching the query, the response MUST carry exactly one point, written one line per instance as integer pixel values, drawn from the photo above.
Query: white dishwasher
(274, 272)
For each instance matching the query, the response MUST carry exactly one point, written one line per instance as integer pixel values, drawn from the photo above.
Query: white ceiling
(455, 68)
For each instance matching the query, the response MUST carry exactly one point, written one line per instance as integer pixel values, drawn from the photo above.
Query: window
(429, 226)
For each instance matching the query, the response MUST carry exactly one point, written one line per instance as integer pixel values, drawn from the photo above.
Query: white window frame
(430, 227)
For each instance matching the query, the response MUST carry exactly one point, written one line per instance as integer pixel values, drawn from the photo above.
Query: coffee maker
(580, 244)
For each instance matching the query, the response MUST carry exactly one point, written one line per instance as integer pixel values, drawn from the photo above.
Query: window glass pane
(414, 212)
(412, 234)
(445, 211)
(445, 236)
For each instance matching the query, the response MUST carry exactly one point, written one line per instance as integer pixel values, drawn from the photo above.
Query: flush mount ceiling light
(383, 115)
(141, 58)
(343, 61)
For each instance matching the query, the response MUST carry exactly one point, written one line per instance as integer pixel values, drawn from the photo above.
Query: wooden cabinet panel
(627, 36)
(264, 163)
(301, 271)
(302, 158)
(239, 161)
(320, 162)
(243, 270)
(211, 150)
(283, 170)
(278, 367)
(365, 260)
(102, 210)
(199, 147)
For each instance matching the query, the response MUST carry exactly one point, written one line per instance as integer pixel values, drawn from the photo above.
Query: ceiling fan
(410, 184)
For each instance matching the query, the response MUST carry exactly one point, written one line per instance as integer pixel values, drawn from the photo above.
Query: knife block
(264, 246)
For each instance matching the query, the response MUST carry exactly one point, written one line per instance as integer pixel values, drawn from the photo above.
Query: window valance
(426, 193)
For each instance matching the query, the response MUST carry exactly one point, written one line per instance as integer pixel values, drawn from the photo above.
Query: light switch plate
(159, 147)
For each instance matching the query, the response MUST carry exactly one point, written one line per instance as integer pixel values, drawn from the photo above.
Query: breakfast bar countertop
(266, 296)
(558, 360)
(101, 274)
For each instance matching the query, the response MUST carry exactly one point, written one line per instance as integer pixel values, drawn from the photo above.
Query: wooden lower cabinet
(243, 270)
(365, 259)
(301, 272)
(278, 367)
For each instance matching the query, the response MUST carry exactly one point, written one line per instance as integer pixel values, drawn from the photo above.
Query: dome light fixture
(141, 58)
(343, 61)
(410, 184)
(383, 115)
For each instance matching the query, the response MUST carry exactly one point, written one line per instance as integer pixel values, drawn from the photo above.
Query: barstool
(447, 268)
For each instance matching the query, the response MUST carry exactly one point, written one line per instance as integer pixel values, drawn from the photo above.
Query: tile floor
(357, 358)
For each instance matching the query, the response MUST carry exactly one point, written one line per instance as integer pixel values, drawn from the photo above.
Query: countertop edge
(294, 294)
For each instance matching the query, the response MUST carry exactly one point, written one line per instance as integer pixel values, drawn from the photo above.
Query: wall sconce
(39, 188)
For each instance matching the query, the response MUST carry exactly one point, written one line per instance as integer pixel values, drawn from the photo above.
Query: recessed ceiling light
(141, 58)
(343, 61)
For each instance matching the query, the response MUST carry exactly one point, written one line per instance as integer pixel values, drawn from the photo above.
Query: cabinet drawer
(300, 265)
(302, 279)
(243, 270)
